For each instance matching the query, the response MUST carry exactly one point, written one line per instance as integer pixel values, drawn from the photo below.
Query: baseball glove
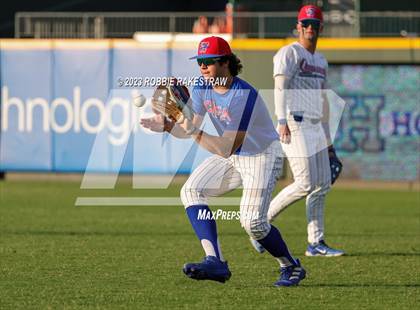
(335, 164)
(172, 102)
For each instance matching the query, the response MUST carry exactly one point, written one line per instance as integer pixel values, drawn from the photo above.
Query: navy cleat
(211, 268)
(291, 276)
(322, 249)
(257, 246)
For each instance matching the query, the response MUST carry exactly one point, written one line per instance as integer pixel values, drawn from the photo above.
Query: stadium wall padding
(64, 110)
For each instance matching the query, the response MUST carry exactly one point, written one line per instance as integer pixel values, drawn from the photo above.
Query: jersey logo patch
(308, 70)
(217, 111)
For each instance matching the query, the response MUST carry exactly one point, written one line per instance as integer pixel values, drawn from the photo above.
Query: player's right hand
(155, 123)
(284, 133)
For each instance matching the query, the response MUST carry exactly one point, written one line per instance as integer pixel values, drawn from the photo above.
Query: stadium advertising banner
(65, 108)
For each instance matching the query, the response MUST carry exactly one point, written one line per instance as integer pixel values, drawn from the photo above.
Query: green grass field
(55, 255)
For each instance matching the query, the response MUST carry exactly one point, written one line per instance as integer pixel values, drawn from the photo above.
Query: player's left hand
(172, 101)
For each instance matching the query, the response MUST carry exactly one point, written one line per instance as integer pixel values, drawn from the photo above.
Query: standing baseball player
(246, 152)
(300, 74)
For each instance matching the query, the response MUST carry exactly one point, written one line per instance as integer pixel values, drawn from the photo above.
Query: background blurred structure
(55, 115)
(342, 19)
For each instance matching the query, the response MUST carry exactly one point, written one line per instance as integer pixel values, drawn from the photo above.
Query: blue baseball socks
(205, 229)
(276, 246)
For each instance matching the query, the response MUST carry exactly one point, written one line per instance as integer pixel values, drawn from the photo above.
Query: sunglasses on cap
(207, 61)
(310, 22)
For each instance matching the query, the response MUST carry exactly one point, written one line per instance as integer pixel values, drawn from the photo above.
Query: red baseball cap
(211, 47)
(310, 12)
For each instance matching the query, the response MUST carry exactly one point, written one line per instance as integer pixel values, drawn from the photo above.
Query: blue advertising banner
(67, 107)
(26, 91)
(79, 110)
(129, 64)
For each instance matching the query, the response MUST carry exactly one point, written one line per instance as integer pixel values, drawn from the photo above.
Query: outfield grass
(55, 255)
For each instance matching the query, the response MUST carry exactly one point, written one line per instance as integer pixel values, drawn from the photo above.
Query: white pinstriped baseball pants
(308, 159)
(257, 174)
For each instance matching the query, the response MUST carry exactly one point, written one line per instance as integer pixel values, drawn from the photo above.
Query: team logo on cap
(310, 12)
(203, 47)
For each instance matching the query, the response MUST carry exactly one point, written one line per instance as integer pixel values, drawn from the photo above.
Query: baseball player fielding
(246, 152)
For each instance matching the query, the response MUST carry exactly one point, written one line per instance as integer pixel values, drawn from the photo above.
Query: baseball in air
(139, 101)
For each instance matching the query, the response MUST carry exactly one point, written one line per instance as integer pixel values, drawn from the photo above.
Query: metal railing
(244, 24)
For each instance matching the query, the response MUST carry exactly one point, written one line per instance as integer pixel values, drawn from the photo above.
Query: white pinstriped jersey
(307, 74)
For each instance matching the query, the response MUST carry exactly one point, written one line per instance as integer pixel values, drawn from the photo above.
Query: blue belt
(299, 119)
